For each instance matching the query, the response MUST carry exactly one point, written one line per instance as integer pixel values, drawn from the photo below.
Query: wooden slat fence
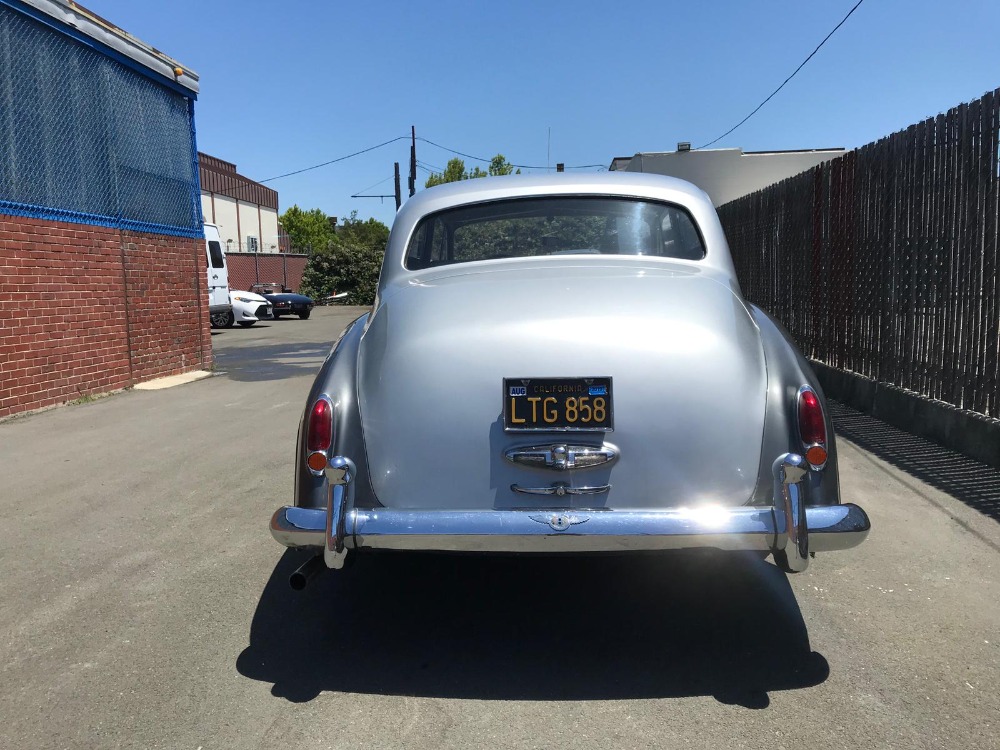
(883, 262)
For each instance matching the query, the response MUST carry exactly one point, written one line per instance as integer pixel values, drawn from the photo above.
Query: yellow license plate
(558, 404)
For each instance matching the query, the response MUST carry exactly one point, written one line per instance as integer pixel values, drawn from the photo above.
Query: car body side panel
(787, 371)
(337, 379)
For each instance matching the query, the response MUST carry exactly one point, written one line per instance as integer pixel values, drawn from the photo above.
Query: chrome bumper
(788, 527)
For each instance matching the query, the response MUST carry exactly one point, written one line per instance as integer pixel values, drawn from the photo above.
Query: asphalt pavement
(146, 606)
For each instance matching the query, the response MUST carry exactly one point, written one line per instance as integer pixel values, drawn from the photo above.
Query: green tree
(319, 279)
(499, 166)
(350, 263)
(309, 231)
(370, 233)
(455, 171)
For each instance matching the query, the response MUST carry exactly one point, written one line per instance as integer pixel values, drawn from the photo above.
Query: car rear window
(528, 227)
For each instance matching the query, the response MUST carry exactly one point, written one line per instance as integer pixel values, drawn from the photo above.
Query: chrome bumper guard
(789, 527)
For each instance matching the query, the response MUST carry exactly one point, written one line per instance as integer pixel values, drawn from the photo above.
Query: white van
(220, 309)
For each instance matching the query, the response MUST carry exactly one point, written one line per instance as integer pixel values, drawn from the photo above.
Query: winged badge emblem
(558, 521)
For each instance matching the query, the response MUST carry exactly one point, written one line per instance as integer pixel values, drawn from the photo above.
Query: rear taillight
(320, 430)
(812, 427)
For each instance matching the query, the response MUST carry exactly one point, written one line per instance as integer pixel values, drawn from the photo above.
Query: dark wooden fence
(883, 262)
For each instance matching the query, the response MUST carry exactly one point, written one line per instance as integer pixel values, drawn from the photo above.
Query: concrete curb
(171, 380)
(966, 432)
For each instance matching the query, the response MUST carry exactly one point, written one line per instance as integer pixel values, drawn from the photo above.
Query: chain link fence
(277, 269)
(86, 139)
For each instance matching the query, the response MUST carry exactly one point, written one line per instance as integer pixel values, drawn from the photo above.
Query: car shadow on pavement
(534, 628)
(973, 483)
(270, 362)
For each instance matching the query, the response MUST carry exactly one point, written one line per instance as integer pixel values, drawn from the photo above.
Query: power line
(383, 197)
(786, 80)
(429, 167)
(487, 161)
(365, 190)
(334, 161)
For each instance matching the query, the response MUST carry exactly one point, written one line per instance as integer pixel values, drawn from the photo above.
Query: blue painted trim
(11, 208)
(97, 46)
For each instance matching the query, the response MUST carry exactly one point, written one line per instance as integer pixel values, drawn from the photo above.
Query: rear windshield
(528, 227)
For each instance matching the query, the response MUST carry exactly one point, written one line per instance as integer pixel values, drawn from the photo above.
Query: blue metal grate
(88, 140)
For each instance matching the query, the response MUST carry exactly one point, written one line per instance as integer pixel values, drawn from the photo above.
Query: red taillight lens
(812, 426)
(320, 435)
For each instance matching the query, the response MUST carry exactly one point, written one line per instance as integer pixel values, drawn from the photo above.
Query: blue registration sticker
(598, 390)
(518, 390)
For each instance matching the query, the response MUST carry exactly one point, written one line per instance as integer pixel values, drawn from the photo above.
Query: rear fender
(787, 371)
(337, 379)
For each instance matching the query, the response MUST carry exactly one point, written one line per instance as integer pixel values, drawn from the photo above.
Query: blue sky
(288, 85)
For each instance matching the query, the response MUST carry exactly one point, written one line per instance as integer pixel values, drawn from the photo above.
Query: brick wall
(87, 309)
(246, 269)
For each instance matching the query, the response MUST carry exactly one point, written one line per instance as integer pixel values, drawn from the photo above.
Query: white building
(726, 173)
(245, 211)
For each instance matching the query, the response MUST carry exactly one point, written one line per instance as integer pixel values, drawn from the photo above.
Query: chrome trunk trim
(559, 489)
(561, 457)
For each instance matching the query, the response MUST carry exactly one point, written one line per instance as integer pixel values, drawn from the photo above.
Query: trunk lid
(685, 357)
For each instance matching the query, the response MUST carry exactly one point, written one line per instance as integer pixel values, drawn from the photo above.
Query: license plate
(560, 404)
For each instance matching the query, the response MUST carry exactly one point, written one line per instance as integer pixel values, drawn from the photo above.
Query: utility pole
(399, 201)
(413, 160)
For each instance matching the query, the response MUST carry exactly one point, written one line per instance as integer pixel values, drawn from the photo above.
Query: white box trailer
(220, 308)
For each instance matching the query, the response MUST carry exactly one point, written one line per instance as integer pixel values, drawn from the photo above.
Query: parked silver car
(564, 364)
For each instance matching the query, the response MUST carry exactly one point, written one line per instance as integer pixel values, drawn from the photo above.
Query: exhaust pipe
(306, 572)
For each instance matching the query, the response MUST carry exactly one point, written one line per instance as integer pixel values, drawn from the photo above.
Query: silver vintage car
(564, 364)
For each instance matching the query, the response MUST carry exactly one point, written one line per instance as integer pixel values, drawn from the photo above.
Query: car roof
(636, 184)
